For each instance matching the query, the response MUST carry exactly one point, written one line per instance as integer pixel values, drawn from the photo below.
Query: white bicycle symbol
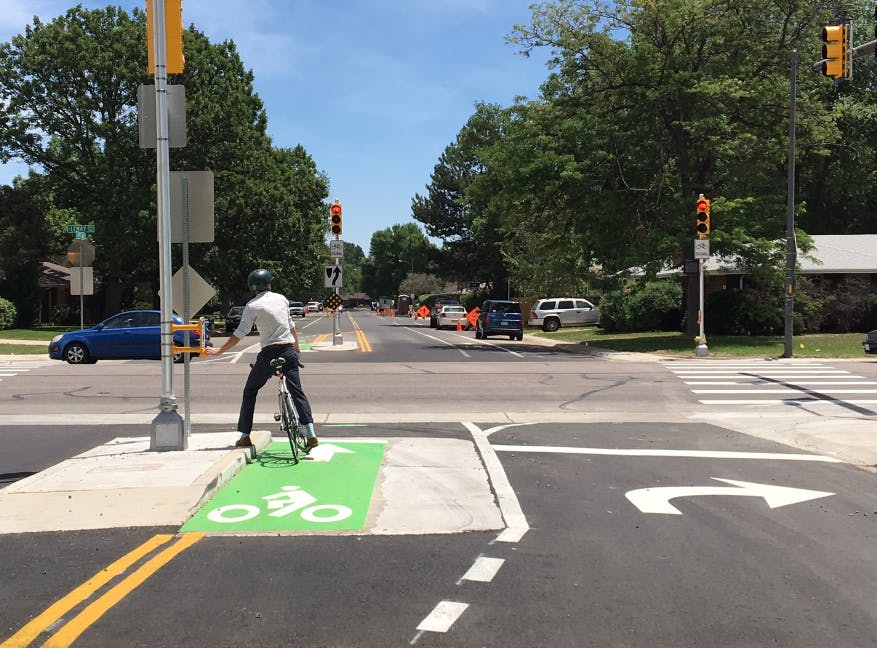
(290, 500)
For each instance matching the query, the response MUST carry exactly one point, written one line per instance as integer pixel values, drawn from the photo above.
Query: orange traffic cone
(459, 326)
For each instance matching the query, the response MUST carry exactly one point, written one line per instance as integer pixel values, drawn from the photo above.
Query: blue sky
(373, 89)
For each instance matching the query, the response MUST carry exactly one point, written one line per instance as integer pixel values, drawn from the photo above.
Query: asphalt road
(584, 446)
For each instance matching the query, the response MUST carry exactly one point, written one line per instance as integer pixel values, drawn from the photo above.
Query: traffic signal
(836, 48)
(703, 217)
(173, 35)
(335, 219)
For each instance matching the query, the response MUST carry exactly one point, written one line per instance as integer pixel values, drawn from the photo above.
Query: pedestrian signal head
(703, 217)
(335, 219)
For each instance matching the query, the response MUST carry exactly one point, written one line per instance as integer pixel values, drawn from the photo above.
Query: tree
(68, 96)
(469, 234)
(393, 252)
(677, 98)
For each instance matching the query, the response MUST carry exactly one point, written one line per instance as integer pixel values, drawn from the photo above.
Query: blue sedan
(132, 335)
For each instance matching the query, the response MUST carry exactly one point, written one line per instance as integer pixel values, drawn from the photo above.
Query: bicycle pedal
(277, 417)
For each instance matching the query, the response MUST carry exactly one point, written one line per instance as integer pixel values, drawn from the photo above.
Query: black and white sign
(333, 277)
(336, 249)
(701, 249)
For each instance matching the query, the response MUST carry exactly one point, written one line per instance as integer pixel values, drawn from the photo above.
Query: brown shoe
(244, 442)
(312, 442)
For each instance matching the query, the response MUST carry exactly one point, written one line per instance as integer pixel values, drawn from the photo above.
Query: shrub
(7, 313)
(742, 312)
(653, 306)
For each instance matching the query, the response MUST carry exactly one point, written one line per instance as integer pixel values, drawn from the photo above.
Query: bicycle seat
(277, 363)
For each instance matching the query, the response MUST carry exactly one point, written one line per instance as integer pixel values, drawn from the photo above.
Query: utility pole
(791, 244)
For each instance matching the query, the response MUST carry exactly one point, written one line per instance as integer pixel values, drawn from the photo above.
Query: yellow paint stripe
(320, 338)
(60, 607)
(78, 624)
(364, 346)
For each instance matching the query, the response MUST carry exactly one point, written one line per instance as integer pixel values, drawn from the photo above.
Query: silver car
(551, 314)
(296, 309)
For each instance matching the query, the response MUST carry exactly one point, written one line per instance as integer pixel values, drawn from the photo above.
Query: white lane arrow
(657, 500)
(325, 452)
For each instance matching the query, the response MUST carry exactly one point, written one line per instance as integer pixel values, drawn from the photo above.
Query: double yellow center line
(72, 629)
(361, 340)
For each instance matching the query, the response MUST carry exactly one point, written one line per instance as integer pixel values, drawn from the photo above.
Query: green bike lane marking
(330, 489)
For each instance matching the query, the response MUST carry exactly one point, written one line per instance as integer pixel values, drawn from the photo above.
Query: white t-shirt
(269, 311)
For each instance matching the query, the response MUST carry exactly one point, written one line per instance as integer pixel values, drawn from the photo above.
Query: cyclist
(269, 311)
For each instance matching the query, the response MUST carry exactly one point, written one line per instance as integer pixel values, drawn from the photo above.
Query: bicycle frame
(288, 414)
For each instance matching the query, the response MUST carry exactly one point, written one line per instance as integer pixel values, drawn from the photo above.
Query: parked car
(314, 306)
(132, 335)
(500, 317)
(551, 314)
(450, 315)
(437, 306)
(296, 309)
(869, 344)
(233, 318)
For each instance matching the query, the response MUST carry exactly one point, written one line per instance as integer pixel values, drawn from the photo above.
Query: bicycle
(287, 415)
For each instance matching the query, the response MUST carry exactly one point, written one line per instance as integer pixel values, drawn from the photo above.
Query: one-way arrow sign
(333, 277)
(657, 500)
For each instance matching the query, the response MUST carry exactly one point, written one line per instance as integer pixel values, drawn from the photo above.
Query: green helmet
(259, 280)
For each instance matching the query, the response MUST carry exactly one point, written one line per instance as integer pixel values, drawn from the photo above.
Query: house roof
(831, 254)
(52, 274)
(840, 254)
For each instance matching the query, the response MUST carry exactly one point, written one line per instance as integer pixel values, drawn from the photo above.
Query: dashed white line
(442, 616)
(483, 570)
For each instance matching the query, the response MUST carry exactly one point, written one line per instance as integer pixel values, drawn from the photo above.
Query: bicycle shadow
(279, 459)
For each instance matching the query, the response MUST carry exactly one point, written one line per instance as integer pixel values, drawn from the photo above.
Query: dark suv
(500, 317)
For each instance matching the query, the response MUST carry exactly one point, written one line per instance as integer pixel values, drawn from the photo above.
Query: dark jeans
(259, 375)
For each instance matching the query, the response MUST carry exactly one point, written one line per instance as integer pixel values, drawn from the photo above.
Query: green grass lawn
(43, 334)
(842, 345)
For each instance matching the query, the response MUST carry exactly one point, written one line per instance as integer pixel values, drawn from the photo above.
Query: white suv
(551, 314)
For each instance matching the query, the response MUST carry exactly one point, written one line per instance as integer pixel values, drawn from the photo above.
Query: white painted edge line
(766, 372)
(509, 506)
(450, 344)
(482, 570)
(799, 383)
(648, 452)
(780, 391)
(789, 401)
(442, 616)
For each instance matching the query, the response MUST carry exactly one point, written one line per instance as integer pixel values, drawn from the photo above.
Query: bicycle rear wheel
(289, 423)
(299, 439)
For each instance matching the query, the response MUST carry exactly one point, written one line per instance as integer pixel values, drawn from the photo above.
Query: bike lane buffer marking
(332, 492)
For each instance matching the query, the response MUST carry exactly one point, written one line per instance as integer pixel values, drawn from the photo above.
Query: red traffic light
(703, 217)
(335, 219)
